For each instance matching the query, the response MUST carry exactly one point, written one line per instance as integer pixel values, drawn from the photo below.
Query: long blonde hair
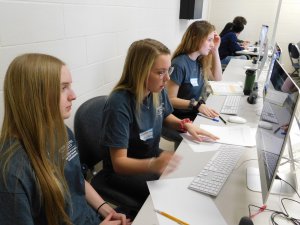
(195, 35)
(139, 61)
(32, 116)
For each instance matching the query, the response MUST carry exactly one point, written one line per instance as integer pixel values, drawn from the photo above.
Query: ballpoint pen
(207, 117)
(171, 217)
(222, 120)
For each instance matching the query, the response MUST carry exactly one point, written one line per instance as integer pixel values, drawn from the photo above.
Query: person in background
(195, 61)
(41, 180)
(228, 27)
(133, 117)
(229, 44)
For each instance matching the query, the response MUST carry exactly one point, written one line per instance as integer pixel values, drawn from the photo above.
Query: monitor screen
(275, 56)
(262, 49)
(263, 38)
(278, 111)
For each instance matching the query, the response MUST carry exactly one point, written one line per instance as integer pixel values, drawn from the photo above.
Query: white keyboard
(231, 105)
(267, 113)
(213, 176)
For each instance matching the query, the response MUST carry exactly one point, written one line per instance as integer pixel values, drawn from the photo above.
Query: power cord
(275, 214)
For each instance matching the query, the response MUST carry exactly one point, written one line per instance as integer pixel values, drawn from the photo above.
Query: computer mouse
(265, 125)
(236, 119)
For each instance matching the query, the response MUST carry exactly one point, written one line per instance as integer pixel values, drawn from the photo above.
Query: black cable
(277, 177)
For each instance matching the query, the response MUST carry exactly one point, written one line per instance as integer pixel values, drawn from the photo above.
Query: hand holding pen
(213, 119)
(284, 127)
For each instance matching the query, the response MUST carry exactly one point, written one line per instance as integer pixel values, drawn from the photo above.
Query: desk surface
(234, 198)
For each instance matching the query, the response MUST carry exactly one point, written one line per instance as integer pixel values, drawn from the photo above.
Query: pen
(171, 217)
(222, 120)
(207, 117)
(275, 131)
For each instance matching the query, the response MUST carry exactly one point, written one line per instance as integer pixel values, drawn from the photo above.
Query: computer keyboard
(213, 176)
(267, 113)
(231, 105)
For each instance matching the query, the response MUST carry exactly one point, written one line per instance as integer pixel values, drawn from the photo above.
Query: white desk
(234, 198)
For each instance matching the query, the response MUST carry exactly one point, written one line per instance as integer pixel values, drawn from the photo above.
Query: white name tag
(146, 135)
(194, 81)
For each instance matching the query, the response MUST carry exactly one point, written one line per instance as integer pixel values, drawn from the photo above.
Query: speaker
(191, 9)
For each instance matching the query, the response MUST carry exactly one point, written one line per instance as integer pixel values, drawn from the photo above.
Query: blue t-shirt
(20, 201)
(124, 128)
(229, 45)
(188, 75)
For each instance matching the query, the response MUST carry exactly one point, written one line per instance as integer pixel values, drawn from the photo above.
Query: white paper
(276, 97)
(197, 146)
(173, 197)
(226, 88)
(233, 135)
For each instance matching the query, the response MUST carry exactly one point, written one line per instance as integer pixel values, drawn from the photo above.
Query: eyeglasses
(164, 73)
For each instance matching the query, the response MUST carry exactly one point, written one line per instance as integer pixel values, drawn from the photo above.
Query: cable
(277, 177)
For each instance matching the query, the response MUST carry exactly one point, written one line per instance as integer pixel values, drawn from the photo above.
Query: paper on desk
(233, 135)
(197, 146)
(173, 197)
(226, 88)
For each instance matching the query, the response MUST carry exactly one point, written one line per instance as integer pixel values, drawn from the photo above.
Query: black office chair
(87, 127)
(294, 54)
(171, 135)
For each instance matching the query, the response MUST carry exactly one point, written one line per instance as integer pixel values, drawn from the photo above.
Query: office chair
(171, 135)
(87, 129)
(294, 54)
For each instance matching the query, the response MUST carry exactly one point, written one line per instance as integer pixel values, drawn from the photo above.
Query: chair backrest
(294, 51)
(87, 129)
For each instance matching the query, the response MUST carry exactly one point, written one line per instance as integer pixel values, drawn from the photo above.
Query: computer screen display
(275, 56)
(278, 111)
(263, 36)
(263, 49)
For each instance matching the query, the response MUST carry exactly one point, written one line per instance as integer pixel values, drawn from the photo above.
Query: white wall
(91, 36)
(258, 12)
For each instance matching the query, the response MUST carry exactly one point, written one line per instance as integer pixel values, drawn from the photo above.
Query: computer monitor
(262, 50)
(271, 143)
(263, 36)
(276, 55)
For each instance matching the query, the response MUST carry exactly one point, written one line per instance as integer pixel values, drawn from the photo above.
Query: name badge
(146, 135)
(194, 82)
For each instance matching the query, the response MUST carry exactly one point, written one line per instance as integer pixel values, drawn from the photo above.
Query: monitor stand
(278, 186)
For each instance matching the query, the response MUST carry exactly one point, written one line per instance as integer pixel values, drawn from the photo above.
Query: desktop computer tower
(191, 9)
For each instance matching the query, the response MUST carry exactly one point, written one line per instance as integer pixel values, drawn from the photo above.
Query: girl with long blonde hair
(133, 118)
(195, 61)
(40, 173)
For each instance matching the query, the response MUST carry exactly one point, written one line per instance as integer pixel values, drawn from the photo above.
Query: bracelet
(192, 103)
(97, 211)
(182, 122)
(196, 107)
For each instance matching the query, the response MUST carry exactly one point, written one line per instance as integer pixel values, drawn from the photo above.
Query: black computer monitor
(278, 112)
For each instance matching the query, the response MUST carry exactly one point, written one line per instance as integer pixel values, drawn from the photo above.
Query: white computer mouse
(265, 125)
(236, 119)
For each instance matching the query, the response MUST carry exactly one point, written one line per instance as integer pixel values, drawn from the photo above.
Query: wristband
(196, 107)
(100, 206)
(182, 122)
